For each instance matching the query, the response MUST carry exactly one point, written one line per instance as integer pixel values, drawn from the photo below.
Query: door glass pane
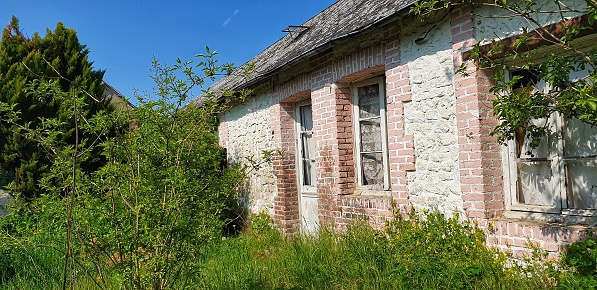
(306, 118)
(308, 151)
(580, 139)
(582, 184)
(308, 161)
(369, 101)
(370, 135)
(308, 172)
(536, 184)
(372, 170)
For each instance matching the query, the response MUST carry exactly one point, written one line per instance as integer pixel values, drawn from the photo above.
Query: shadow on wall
(237, 214)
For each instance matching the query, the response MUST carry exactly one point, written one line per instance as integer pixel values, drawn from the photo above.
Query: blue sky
(123, 35)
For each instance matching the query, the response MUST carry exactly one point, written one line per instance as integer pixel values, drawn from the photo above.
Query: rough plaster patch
(495, 23)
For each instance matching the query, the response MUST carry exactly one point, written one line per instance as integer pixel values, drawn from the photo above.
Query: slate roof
(342, 19)
(115, 96)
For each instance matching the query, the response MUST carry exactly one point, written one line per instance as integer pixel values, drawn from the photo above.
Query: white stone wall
(431, 119)
(249, 133)
(495, 23)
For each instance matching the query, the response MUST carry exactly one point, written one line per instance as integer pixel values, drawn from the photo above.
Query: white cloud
(230, 18)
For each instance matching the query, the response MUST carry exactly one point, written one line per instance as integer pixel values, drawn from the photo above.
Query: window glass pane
(540, 171)
(306, 118)
(372, 170)
(369, 101)
(580, 139)
(546, 147)
(582, 184)
(536, 184)
(370, 135)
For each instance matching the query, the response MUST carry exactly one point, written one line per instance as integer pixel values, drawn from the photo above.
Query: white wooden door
(308, 203)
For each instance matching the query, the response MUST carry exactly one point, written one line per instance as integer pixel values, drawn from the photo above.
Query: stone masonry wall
(430, 117)
(246, 133)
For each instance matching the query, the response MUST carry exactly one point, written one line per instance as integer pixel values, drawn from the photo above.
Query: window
(560, 175)
(371, 143)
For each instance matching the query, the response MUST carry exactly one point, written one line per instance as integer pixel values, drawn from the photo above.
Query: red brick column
(479, 155)
(345, 139)
(398, 92)
(286, 206)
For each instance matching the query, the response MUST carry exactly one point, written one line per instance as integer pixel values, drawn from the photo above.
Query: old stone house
(365, 105)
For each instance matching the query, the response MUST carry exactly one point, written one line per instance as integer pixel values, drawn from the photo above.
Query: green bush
(433, 251)
(427, 251)
(140, 221)
(582, 255)
(580, 260)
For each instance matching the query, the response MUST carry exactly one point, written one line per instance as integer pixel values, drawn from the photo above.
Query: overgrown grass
(429, 252)
(33, 260)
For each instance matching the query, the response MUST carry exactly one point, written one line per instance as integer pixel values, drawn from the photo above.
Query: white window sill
(364, 192)
(567, 217)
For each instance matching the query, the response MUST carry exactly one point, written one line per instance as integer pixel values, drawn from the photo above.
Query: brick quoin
(334, 145)
(331, 100)
(286, 202)
(223, 134)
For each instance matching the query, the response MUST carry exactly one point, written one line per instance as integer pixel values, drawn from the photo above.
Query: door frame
(303, 191)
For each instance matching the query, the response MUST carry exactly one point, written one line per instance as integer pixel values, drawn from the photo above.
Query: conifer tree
(59, 57)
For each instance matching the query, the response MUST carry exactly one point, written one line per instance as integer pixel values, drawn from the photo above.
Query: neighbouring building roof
(116, 97)
(342, 19)
(110, 90)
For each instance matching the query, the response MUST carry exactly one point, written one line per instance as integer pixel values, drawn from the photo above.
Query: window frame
(558, 161)
(384, 134)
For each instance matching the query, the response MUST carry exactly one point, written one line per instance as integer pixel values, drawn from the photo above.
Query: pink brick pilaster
(401, 146)
(479, 153)
(333, 137)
